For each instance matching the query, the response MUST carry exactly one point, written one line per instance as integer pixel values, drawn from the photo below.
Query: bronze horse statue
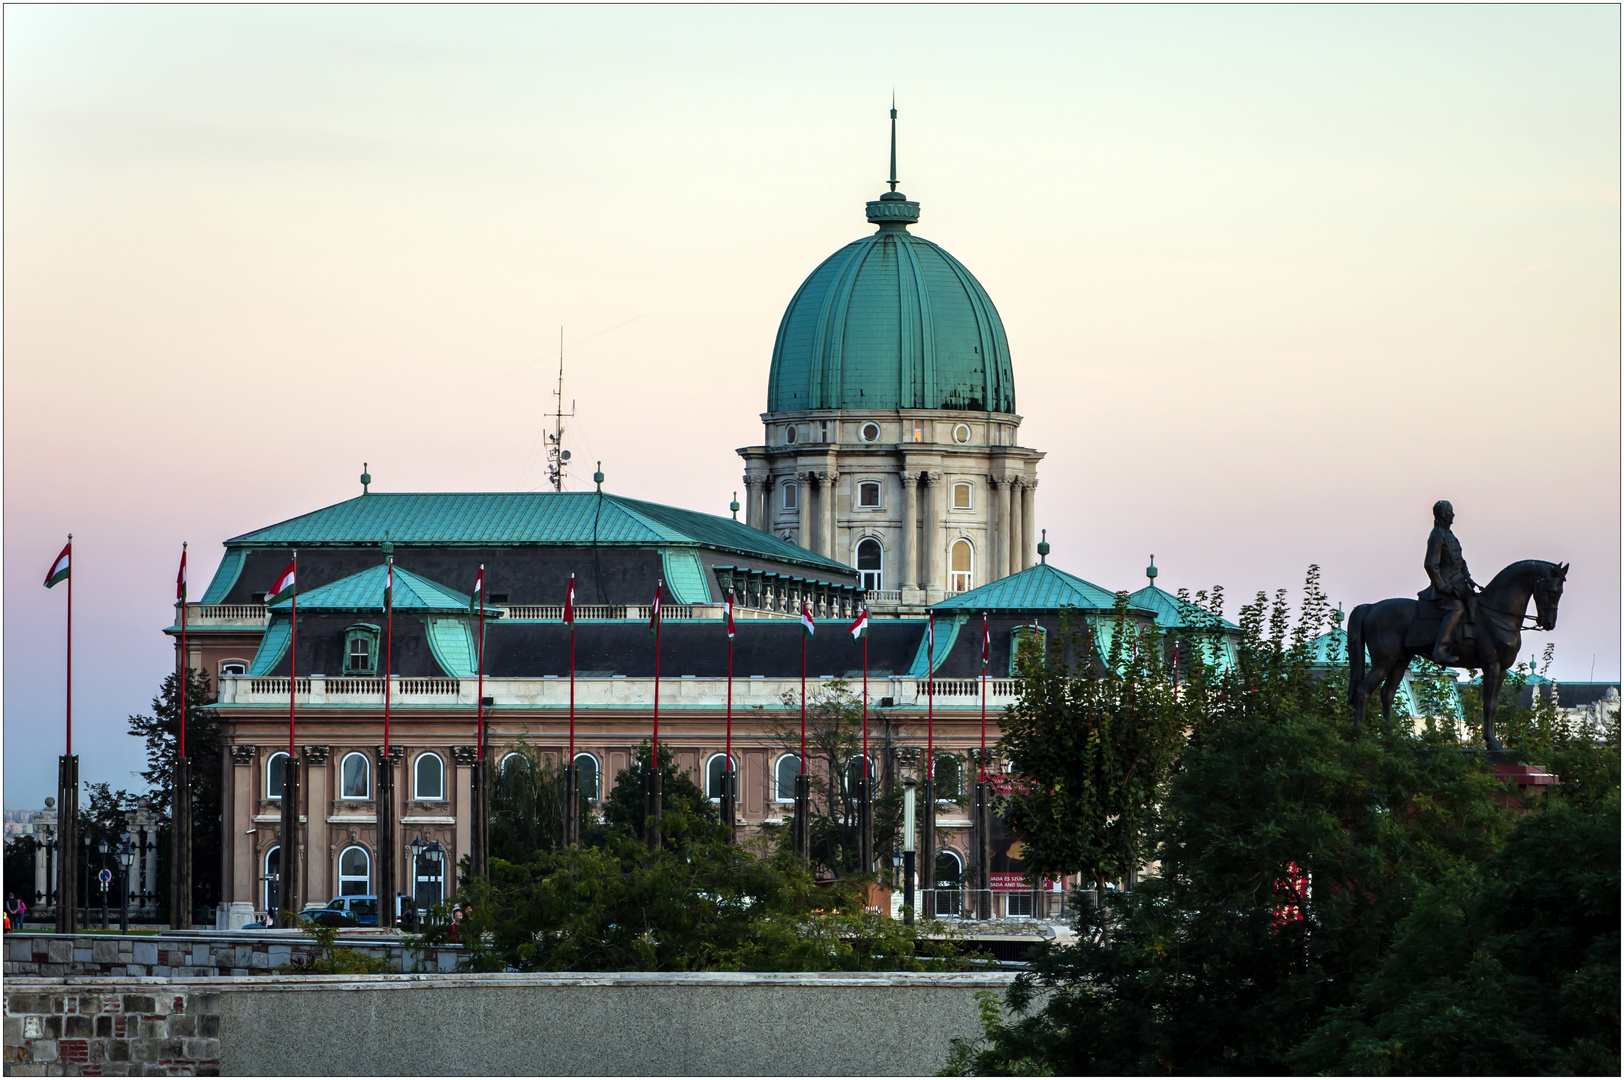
(1394, 630)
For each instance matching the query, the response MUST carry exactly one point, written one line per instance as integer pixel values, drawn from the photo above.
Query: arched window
(429, 881)
(273, 873)
(275, 768)
(429, 778)
(233, 667)
(354, 872)
(713, 776)
(509, 759)
(868, 493)
(949, 880)
(854, 771)
(586, 776)
(1025, 637)
(963, 566)
(871, 564)
(784, 774)
(946, 779)
(361, 649)
(962, 496)
(792, 491)
(355, 773)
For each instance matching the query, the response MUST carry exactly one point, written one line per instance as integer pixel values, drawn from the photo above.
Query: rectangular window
(823, 431)
(961, 496)
(919, 431)
(790, 492)
(1020, 905)
(868, 493)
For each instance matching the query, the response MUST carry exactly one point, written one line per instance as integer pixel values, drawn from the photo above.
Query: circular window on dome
(961, 433)
(871, 433)
(790, 434)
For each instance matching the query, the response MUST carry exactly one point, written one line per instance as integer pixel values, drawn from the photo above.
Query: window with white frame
(273, 873)
(784, 774)
(1019, 905)
(713, 776)
(791, 434)
(792, 492)
(823, 431)
(963, 567)
(233, 667)
(961, 433)
(586, 776)
(946, 781)
(430, 884)
(1022, 638)
(508, 759)
(275, 770)
(428, 778)
(963, 495)
(949, 880)
(355, 777)
(854, 771)
(361, 650)
(871, 564)
(870, 432)
(354, 871)
(868, 493)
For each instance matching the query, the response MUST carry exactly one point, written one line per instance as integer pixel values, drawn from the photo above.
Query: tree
(834, 751)
(685, 812)
(160, 731)
(527, 805)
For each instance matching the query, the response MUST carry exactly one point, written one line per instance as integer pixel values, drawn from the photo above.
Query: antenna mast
(558, 458)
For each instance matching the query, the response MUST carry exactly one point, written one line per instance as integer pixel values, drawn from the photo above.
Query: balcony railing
(227, 614)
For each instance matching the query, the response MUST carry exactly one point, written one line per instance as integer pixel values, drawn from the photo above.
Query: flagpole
(654, 756)
(866, 775)
(572, 672)
(803, 697)
(930, 699)
(180, 888)
(727, 765)
(479, 666)
(70, 644)
(388, 646)
(293, 659)
(983, 775)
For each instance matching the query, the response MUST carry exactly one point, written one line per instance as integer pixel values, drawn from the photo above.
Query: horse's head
(1548, 593)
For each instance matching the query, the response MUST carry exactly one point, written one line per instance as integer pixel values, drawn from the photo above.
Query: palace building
(890, 476)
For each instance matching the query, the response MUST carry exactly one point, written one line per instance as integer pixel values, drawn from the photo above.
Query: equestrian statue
(1455, 622)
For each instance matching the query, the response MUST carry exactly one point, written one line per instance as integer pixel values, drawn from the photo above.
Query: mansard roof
(1172, 613)
(1037, 588)
(364, 592)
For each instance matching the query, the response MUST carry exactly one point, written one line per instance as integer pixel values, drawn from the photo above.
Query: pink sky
(1274, 279)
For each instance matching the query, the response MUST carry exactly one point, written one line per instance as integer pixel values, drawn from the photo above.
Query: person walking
(14, 912)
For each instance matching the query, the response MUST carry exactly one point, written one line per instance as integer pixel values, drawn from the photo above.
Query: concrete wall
(162, 956)
(469, 1025)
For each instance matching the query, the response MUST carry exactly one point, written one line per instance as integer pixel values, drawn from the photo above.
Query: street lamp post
(417, 857)
(910, 789)
(126, 856)
(101, 846)
(50, 859)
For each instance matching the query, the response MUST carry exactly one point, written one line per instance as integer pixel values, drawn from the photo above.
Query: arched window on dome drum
(792, 491)
(871, 564)
(963, 567)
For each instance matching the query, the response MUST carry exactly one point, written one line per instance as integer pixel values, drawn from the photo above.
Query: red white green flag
(284, 585)
(478, 599)
(986, 640)
(808, 627)
(180, 580)
(654, 612)
(59, 569)
(389, 585)
(859, 629)
(727, 611)
(569, 602)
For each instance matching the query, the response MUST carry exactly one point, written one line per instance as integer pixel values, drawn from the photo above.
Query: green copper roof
(364, 592)
(1037, 588)
(559, 518)
(891, 321)
(1173, 613)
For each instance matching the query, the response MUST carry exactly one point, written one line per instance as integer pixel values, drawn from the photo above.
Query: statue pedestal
(1529, 780)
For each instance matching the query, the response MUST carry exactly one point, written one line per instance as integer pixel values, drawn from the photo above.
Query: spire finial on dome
(893, 180)
(1151, 571)
(1043, 547)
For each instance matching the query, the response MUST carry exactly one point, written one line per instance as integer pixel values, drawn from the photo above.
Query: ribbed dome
(891, 321)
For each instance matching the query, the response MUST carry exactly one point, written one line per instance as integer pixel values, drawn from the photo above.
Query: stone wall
(809, 1024)
(193, 955)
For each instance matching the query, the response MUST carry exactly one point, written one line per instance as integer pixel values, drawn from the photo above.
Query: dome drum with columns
(891, 437)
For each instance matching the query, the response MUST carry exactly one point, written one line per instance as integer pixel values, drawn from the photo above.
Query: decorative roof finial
(597, 477)
(893, 180)
(734, 506)
(366, 478)
(1043, 548)
(1337, 616)
(1151, 571)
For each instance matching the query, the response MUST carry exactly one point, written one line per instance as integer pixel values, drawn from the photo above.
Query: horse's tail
(1356, 649)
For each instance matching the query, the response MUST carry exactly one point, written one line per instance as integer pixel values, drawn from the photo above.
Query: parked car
(363, 909)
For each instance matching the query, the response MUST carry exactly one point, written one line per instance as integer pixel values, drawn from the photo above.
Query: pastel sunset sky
(1275, 279)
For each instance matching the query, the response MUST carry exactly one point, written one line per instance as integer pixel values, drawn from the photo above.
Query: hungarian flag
(569, 602)
(478, 599)
(180, 580)
(727, 611)
(930, 634)
(808, 627)
(283, 586)
(389, 585)
(986, 640)
(59, 569)
(859, 629)
(654, 613)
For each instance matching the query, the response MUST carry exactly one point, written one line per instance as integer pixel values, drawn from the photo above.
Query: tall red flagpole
(654, 755)
(293, 655)
(984, 640)
(803, 691)
(728, 751)
(570, 608)
(479, 663)
(930, 704)
(388, 647)
(70, 645)
(185, 665)
(865, 702)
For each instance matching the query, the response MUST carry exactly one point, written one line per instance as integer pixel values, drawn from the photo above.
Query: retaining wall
(199, 955)
(469, 1025)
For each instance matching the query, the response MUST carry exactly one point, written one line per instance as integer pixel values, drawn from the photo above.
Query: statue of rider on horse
(1453, 621)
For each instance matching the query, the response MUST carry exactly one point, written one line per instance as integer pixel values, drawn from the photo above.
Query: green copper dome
(891, 321)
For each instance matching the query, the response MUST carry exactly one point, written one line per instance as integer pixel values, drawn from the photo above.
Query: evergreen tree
(160, 731)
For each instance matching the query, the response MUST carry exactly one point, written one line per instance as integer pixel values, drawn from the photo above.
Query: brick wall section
(194, 956)
(162, 1030)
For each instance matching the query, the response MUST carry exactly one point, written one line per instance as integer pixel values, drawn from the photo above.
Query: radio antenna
(558, 458)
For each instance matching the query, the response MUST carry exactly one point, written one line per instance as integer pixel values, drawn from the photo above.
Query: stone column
(827, 495)
(909, 564)
(319, 791)
(1001, 529)
(935, 577)
(242, 885)
(803, 510)
(1014, 533)
(1029, 492)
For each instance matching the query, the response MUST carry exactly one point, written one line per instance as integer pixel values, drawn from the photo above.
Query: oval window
(961, 433)
(871, 433)
(790, 434)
